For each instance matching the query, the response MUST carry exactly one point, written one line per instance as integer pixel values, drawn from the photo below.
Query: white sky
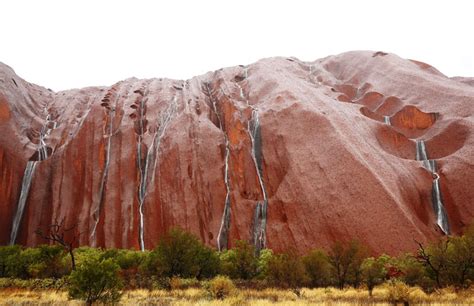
(67, 44)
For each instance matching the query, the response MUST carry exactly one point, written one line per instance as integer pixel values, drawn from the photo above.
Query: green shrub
(96, 280)
(8, 260)
(181, 254)
(83, 253)
(44, 261)
(220, 287)
(262, 264)
(240, 262)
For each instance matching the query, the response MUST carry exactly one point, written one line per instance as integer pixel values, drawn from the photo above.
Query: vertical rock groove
(436, 196)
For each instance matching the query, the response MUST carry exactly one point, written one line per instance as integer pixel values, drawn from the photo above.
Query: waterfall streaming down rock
(421, 150)
(222, 237)
(152, 153)
(441, 216)
(42, 154)
(25, 187)
(436, 196)
(260, 219)
(386, 120)
(259, 222)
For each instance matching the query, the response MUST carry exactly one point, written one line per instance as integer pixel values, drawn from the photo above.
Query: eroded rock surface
(283, 153)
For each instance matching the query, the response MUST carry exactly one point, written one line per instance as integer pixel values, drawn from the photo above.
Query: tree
(65, 236)
(461, 258)
(435, 258)
(346, 260)
(96, 280)
(373, 272)
(287, 270)
(411, 271)
(317, 268)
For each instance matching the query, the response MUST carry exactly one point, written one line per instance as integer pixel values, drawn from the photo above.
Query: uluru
(283, 153)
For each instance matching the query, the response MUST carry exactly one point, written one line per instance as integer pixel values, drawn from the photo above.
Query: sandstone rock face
(283, 153)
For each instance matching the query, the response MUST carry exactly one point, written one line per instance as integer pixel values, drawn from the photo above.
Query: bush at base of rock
(220, 287)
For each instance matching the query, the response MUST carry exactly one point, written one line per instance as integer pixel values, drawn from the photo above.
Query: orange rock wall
(332, 169)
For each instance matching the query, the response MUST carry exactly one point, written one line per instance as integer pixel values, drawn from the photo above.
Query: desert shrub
(262, 262)
(44, 261)
(177, 283)
(83, 253)
(240, 262)
(32, 284)
(220, 287)
(129, 262)
(50, 261)
(346, 260)
(317, 268)
(398, 292)
(286, 271)
(96, 280)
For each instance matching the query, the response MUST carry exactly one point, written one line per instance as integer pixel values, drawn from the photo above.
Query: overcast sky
(68, 44)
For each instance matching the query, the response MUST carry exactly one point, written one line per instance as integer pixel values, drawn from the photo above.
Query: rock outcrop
(283, 153)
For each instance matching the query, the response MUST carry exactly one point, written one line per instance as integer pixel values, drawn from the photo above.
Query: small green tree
(96, 280)
(373, 272)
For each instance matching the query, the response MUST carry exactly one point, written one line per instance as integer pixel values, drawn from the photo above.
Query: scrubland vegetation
(181, 271)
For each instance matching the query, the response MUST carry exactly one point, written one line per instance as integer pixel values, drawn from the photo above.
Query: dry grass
(195, 296)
